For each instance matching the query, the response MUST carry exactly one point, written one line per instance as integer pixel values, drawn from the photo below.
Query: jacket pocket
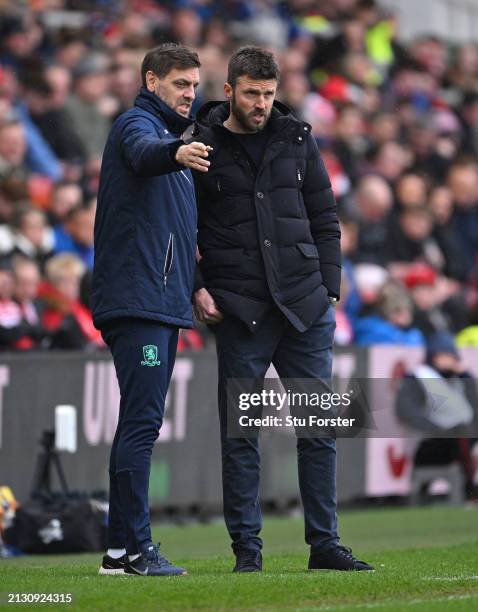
(168, 260)
(309, 251)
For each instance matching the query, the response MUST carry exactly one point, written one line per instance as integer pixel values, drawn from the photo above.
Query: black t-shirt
(255, 144)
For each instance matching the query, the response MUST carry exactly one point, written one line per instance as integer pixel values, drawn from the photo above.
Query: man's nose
(261, 103)
(190, 93)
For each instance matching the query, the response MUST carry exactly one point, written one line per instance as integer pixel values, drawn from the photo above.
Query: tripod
(47, 459)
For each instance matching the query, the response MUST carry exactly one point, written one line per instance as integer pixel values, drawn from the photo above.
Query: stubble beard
(173, 104)
(243, 118)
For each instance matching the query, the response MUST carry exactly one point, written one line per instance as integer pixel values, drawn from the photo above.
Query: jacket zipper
(168, 262)
(300, 181)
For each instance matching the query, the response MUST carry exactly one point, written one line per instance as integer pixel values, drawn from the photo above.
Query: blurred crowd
(397, 127)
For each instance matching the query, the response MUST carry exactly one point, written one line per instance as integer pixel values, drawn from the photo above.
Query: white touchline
(450, 578)
(393, 602)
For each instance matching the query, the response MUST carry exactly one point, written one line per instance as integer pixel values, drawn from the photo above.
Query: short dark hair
(161, 60)
(78, 208)
(254, 62)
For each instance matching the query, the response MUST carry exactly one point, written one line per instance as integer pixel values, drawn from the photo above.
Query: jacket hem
(141, 314)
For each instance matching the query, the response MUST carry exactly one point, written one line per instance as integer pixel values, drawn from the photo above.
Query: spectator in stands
(29, 235)
(9, 311)
(463, 74)
(124, 86)
(83, 107)
(186, 27)
(432, 54)
(350, 144)
(410, 190)
(392, 322)
(19, 329)
(59, 80)
(412, 90)
(53, 123)
(374, 203)
(294, 89)
(40, 157)
(383, 127)
(76, 234)
(439, 305)
(11, 191)
(66, 196)
(321, 115)
(463, 183)
(69, 145)
(421, 279)
(71, 47)
(439, 397)
(369, 281)
(411, 239)
(432, 153)
(26, 274)
(18, 39)
(468, 114)
(389, 160)
(67, 321)
(440, 203)
(13, 148)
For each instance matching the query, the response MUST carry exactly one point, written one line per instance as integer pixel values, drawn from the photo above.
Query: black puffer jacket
(270, 235)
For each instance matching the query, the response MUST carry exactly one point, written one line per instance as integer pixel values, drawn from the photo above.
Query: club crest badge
(150, 356)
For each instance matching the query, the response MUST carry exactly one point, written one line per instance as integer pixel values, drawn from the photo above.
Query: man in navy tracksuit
(145, 243)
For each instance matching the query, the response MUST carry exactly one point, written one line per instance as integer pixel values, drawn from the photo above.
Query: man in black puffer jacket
(268, 276)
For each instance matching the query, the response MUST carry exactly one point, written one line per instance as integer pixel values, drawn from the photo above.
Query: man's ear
(228, 91)
(151, 81)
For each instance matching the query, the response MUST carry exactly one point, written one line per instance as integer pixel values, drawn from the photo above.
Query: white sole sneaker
(110, 572)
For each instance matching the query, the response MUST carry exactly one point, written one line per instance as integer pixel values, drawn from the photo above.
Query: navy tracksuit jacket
(145, 229)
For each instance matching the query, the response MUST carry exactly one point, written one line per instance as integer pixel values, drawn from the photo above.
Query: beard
(246, 119)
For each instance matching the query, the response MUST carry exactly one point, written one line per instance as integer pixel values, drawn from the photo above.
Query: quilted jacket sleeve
(322, 212)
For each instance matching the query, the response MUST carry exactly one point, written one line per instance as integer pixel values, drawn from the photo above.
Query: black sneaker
(248, 561)
(337, 558)
(152, 563)
(112, 567)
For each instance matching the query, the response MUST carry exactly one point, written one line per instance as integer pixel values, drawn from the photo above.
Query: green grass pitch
(426, 559)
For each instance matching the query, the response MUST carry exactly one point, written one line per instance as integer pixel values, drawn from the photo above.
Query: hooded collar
(215, 113)
(151, 103)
